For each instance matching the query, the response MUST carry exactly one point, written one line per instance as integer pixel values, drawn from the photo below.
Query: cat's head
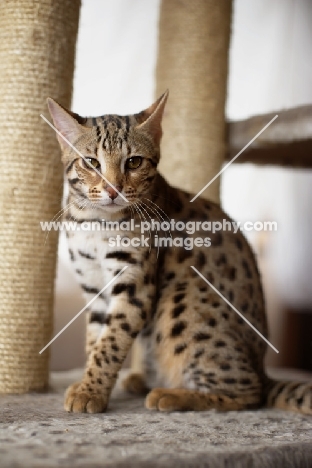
(110, 160)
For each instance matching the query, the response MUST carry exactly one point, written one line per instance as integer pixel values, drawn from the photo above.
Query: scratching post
(37, 49)
(193, 63)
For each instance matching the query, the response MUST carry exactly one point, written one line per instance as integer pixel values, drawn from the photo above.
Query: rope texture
(193, 63)
(37, 51)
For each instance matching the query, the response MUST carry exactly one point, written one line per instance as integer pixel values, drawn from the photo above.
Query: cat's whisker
(57, 216)
(81, 205)
(132, 212)
(150, 236)
(138, 211)
(158, 207)
(157, 215)
(141, 204)
(154, 210)
(156, 227)
(143, 218)
(62, 211)
(84, 204)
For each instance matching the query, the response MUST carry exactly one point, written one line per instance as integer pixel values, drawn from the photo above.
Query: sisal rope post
(193, 63)
(37, 51)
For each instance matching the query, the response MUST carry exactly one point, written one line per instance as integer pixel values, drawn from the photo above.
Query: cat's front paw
(79, 399)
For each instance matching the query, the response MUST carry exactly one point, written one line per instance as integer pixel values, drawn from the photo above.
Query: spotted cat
(196, 352)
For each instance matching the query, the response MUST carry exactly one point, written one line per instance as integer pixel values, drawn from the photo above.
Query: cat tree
(193, 64)
(37, 58)
(37, 50)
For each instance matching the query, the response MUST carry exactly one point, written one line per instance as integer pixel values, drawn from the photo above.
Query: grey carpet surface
(35, 431)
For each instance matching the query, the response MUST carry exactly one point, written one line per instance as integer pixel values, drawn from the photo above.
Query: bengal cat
(197, 353)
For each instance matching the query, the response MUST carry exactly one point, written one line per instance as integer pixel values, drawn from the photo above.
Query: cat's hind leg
(135, 384)
(180, 399)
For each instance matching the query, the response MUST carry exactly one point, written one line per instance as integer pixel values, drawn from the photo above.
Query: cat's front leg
(127, 313)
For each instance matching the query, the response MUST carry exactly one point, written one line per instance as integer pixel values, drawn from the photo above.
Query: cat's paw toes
(80, 400)
(161, 399)
(164, 399)
(134, 383)
(151, 400)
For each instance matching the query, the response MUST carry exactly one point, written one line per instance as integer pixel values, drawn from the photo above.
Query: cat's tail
(291, 396)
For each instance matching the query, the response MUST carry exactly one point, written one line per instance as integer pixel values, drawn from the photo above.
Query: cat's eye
(134, 162)
(94, 163)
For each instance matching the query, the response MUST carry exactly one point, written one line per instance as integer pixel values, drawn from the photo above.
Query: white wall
(116, 56)
(270, 68)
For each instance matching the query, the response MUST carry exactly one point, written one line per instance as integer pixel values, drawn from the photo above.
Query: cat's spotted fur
(196, 352)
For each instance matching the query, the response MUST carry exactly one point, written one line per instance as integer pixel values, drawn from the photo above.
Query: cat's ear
(150, 119)
(66, 122)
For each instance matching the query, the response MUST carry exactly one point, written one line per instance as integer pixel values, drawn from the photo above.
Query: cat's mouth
(104, 203)
(108, 205)
(112, 206)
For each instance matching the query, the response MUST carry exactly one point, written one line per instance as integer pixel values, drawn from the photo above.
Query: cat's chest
(89, 245)
(105, 253)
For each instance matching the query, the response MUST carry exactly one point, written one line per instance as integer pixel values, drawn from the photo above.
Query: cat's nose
(113, 191)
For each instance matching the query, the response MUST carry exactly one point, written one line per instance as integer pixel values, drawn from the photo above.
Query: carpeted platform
(35, 431)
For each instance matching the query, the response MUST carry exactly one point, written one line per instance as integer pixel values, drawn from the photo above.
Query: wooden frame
(287, 142)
